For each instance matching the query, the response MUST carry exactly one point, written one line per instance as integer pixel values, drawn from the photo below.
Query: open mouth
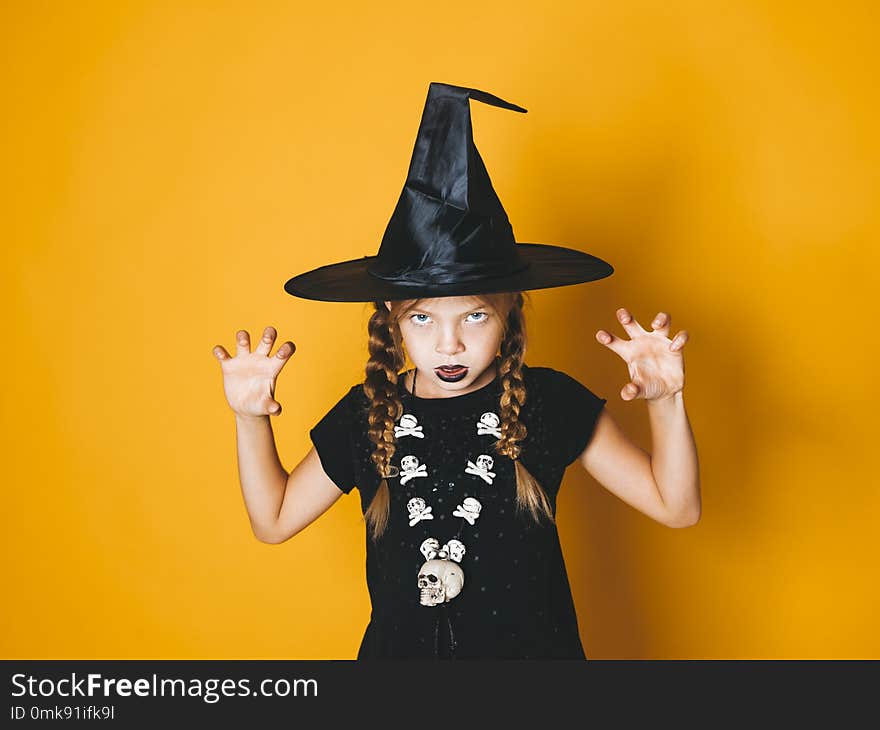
(451, 373)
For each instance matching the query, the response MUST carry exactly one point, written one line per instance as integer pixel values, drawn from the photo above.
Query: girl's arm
(665, 486)
(279, 504)
(674, 462)
(260, 472)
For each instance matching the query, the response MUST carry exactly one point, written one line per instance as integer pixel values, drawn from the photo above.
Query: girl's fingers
(220, 353)
(679, 341)
(266, 341)
(286, 350)
(281, 357)
(243, 343)
(629, 323)
(629, 391)
(611, 342)
(661, 323)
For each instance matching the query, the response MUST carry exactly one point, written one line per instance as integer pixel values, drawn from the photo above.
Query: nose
(449, 341)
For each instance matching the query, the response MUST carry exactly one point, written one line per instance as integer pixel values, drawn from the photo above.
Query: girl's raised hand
(656, 364)
(249, 377)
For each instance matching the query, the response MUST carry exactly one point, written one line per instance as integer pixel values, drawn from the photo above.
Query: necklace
(441, 578)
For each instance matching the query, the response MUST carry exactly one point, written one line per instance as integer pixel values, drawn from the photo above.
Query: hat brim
(548, 266)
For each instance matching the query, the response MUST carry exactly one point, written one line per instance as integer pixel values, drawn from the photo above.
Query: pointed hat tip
(437, 89)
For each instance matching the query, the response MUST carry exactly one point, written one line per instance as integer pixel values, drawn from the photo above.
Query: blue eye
(425, 319)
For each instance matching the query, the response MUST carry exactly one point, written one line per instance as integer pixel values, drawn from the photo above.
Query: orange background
(169, 165)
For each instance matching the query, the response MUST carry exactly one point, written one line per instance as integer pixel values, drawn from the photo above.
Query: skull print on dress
(410, 468)
(488, 424)
(418, 511)
(482, 468)
(439, 582)
(407, 426)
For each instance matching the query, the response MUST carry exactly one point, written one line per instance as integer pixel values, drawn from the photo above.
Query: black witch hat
(449, 234)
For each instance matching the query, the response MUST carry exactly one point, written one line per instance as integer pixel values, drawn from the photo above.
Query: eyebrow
(464, 311)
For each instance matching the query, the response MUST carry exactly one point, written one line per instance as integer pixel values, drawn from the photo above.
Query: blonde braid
(380, 387)
(529, 493)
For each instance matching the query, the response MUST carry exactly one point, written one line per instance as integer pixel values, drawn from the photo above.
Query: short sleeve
(572, 411)
(332, 437)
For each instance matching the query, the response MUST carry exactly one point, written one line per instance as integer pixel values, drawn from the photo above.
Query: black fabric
(516, 602)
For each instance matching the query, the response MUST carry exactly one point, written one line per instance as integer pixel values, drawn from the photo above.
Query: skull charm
(439, 581)
(418, 511)
(430, 547)
(483, 468)
(408, 426)
(488, 424)
(454, 549)
(469, 509)
(411, 468)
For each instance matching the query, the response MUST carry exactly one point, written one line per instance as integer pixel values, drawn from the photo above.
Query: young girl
(459, 460)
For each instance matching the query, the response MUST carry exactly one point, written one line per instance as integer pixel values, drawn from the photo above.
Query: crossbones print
(418, 511)
(407, 427)
(481, 468)
(469, 509)
(488, 424)
(410, 468)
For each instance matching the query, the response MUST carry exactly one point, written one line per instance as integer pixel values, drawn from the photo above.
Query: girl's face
(453, 342)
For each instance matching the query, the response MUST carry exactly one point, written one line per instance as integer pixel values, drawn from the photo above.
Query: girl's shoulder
(356, 399)
(539, 373)
(547, 377)
(558, 388)
(561, 413)
(349, 404)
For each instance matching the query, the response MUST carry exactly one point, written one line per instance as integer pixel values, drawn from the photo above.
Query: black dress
(516, 602)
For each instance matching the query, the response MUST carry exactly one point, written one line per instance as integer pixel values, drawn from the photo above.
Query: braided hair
(387, 357)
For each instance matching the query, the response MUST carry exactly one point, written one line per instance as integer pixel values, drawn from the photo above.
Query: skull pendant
(439, 581)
